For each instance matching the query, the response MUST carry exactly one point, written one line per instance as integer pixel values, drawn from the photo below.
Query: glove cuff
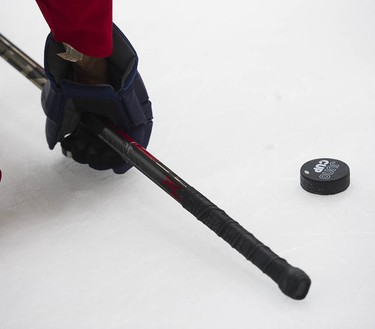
(124, 102)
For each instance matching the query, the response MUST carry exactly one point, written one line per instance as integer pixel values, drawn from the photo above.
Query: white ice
(244, 92)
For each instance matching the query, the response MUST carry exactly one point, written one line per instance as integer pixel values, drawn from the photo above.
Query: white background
(244, 92)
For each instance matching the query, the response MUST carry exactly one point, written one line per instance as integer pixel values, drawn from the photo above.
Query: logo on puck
(325, 176)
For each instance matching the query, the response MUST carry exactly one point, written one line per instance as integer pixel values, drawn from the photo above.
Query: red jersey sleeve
(86, 25)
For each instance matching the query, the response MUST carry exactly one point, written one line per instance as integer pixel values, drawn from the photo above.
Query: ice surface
(244, 92)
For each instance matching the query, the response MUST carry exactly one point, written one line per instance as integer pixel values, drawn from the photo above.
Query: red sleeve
(86, 25)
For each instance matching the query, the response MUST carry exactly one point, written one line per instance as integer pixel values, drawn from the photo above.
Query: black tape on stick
(292, 281)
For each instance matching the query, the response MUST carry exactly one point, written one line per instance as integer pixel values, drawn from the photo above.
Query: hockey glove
(124, 102)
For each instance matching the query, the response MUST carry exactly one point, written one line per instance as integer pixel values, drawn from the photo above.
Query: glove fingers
(69, 149)
(86, 148)
(122, 169)
(74, 147)
(66, 146)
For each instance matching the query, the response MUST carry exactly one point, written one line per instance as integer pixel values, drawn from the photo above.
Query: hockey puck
(325, 176)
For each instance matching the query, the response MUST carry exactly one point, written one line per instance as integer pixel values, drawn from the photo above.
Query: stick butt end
(294, 283)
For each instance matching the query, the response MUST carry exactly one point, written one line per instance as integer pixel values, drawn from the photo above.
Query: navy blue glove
(124, 102)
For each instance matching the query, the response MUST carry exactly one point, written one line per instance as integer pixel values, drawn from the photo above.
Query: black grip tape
(292, 281)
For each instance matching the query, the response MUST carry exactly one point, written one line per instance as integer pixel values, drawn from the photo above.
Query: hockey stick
(291, 280)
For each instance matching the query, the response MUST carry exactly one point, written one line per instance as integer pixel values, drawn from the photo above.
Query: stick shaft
(22, 63)
(292, 281)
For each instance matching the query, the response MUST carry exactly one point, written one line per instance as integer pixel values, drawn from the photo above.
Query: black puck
(325, 176)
